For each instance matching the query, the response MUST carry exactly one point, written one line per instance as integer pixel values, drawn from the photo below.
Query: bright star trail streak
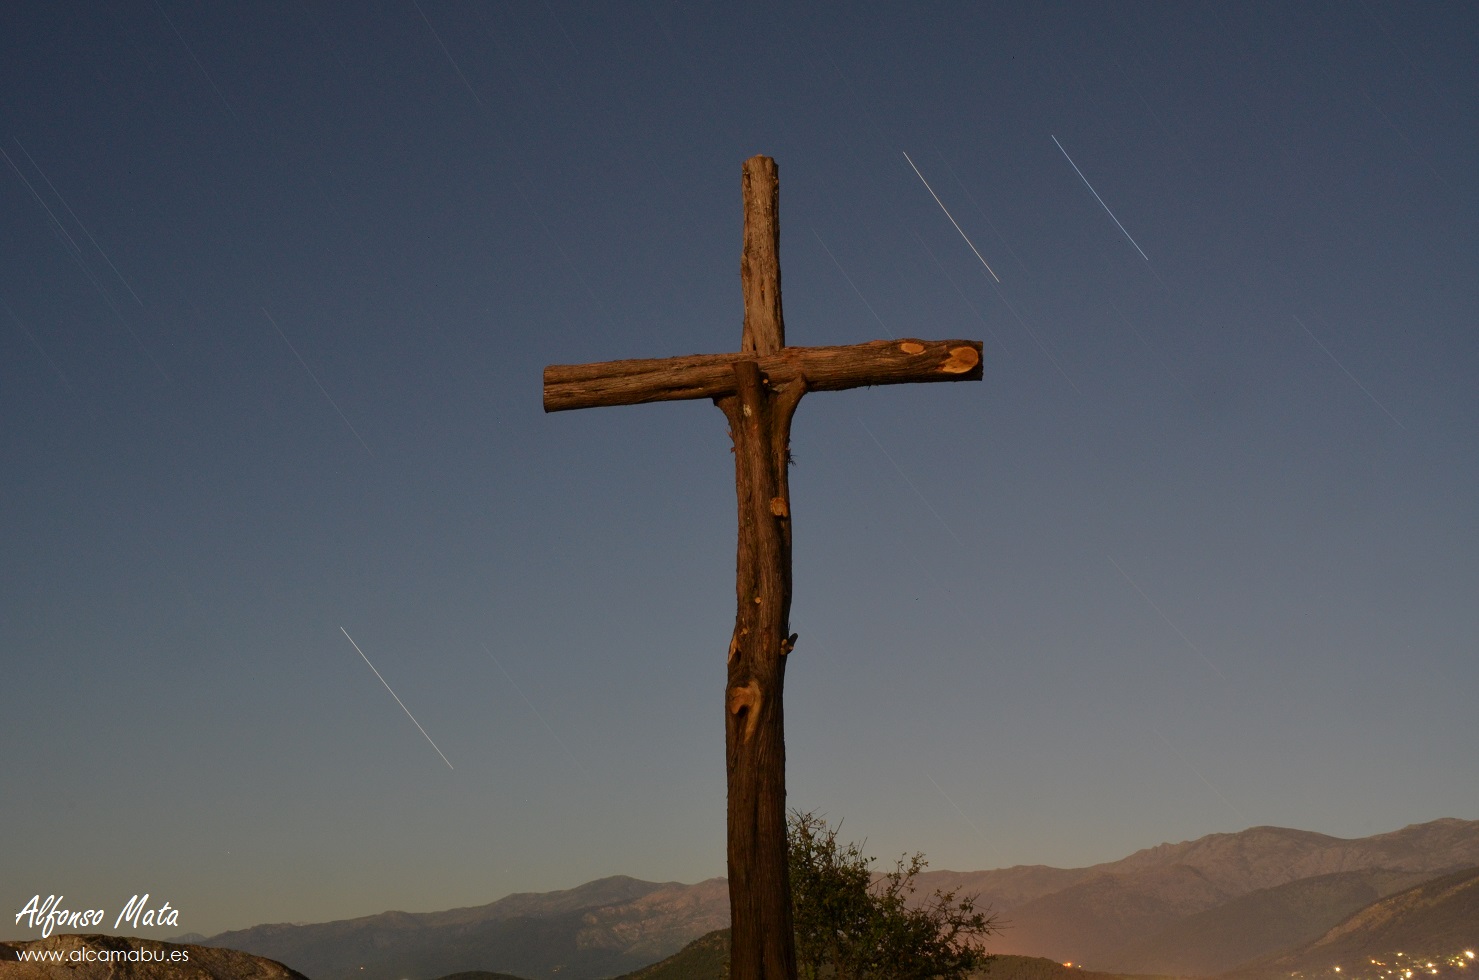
(951, 217)
(1098, 198)
(960, 292)
(980, 210)
(316, 381)
(393, 694)
(949, 530)
(1007, 303)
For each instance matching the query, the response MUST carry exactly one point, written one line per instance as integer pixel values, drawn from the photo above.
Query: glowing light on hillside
(1417, 967)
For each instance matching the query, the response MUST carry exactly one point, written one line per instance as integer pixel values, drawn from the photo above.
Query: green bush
(850, 926)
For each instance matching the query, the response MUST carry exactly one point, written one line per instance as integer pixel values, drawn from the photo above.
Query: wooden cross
(758, 389)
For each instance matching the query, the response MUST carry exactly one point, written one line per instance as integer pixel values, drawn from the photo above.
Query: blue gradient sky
(279, 281)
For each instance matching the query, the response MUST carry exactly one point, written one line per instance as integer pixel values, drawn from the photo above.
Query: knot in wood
(747, 698)
(778, 507)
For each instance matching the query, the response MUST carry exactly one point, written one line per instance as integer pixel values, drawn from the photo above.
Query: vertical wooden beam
(762, 941)
(759, 390)
(760, 258)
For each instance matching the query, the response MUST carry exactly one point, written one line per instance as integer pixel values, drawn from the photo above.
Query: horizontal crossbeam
(880, 362)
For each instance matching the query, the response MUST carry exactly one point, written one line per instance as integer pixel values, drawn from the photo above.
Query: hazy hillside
(1440, 916)
(1258, 924)
(200, 963)
(1115, 907)
(1086, 921)
(599, 929)
(1009, 967)
(1260, 857)
(1007, 888)
(1434, 919)
(1205, 905)
(706, 958)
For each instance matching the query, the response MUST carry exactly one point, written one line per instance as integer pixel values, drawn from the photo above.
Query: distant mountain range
(1427, 931)
(1263, 922)
(1424, 924)
(1109, 916)
(1202, 907)
(600, 929)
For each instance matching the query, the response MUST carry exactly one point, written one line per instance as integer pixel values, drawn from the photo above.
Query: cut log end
(962, 359)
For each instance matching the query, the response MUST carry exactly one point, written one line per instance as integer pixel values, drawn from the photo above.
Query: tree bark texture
(880, 362)
(758, 388)
(762, 940)
(760, 257)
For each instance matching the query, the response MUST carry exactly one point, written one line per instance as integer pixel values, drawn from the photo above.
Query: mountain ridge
(1089, 916)
(1113, 904)
(1257, 924)
(1018, 884)
(1437, 917)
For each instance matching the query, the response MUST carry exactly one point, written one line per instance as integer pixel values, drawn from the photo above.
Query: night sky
(277, 285)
